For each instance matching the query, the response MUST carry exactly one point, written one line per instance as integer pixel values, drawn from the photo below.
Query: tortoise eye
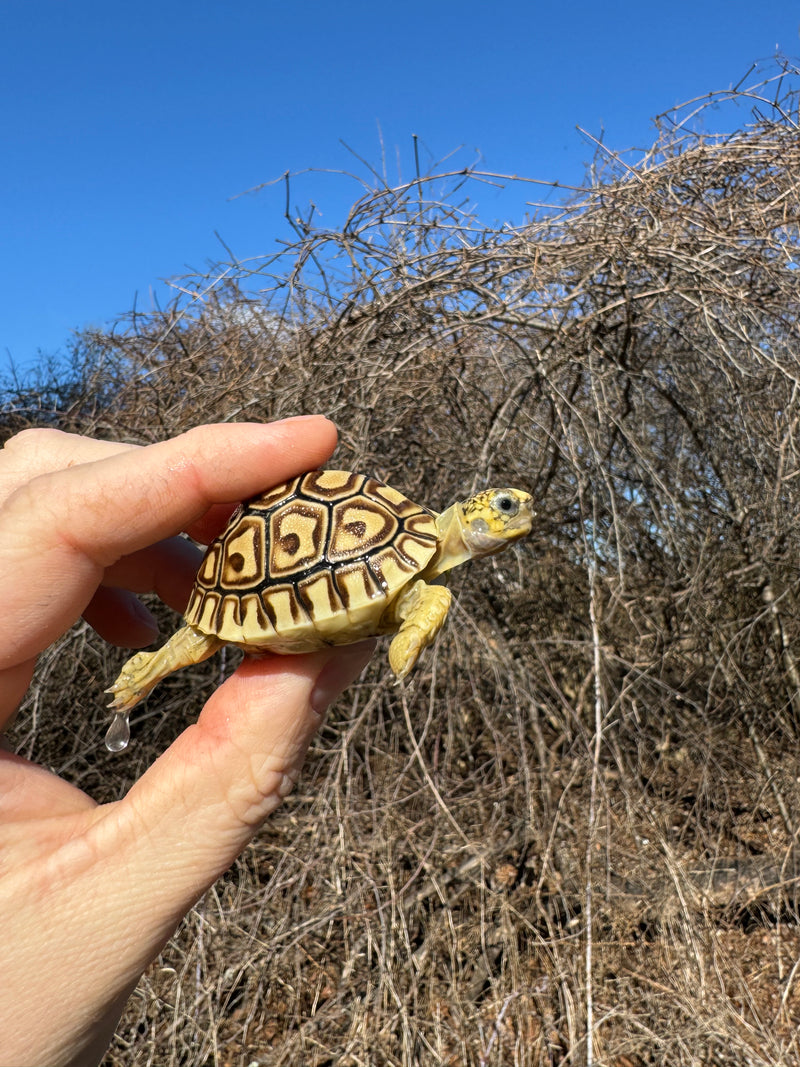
(506, 503)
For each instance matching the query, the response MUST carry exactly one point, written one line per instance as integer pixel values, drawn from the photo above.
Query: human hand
(90, 893)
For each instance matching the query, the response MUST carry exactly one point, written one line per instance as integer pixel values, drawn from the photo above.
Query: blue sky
(127, 131)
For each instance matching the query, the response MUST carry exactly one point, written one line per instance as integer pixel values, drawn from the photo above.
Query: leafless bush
(572, 837)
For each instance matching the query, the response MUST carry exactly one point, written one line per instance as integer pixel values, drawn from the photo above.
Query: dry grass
(577, 822)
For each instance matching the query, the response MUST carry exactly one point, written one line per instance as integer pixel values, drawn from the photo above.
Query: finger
(164, 487)
(14, 682)
(121, 618)
(59, 532)
(167, 568)
(203, 799)
(38, 451)
(211, 524)
(33, 452)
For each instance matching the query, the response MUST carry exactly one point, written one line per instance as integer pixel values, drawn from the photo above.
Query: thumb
(206, 796)
(138, 865)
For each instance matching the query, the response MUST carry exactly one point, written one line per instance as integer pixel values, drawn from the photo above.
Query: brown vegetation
(579, 817)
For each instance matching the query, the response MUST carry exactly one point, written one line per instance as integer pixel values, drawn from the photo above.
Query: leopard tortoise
(328, 558)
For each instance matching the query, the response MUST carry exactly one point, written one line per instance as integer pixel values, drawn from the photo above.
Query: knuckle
(35, 439)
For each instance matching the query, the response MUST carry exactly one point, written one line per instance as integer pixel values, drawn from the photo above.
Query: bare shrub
(572, 836)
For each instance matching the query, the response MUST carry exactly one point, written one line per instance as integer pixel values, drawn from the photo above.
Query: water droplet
(119, 732)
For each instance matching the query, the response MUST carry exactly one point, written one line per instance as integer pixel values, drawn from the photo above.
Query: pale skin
(84, 527)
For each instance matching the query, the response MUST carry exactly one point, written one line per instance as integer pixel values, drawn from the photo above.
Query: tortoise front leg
(418, 613)
(145, 670)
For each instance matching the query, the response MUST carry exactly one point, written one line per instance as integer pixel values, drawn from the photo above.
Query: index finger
(61, 530)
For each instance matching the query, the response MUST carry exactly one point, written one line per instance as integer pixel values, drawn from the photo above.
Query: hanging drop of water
(119, 733)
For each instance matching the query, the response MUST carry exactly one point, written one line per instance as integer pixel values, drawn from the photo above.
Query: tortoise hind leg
(420, 611)
(145, 670)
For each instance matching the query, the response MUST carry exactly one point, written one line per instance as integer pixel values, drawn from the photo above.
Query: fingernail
(341, 671)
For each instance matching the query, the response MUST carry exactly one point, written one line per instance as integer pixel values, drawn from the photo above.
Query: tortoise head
(484, 524)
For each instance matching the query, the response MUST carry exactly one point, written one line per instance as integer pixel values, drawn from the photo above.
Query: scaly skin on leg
(145, 670)
(422, 609)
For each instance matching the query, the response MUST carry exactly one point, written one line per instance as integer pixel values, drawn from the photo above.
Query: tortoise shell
(312, 562)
